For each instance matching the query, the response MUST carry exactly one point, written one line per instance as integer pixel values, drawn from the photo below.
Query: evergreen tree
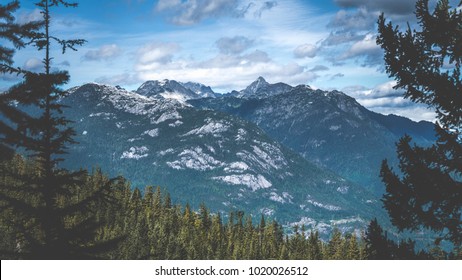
(18, 35)
(52, 221)
(296, 244)
(336, 245)
(427, 65)
(314, 246)
(377, 245)
(353, 251)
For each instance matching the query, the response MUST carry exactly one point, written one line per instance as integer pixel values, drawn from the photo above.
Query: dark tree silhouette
(53, 212)
(426, 64)
(17, 34)
(377, 245)
(13, 32)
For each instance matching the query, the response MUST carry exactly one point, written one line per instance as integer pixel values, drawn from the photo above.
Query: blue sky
(227, 44)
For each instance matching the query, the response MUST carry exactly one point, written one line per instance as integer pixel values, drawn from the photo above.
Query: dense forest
(146, 225)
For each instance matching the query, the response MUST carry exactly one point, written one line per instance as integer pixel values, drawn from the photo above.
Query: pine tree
(353, 251)
(377, 245)
(336, 245)
(18, 35)
(314, 246)
(53, 213)
(427, 65)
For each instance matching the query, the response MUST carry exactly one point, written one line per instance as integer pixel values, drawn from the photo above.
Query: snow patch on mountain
(153, 132)
(285, 198)
(211, 127)
(241, 133)
(195, 159)
(265, 155)
(176, 124)
(135, 153)
(249, 180)
(334, 127)
(238, 166)
(165, 152)
(270, 156)
(174, 95)
(172, 115)
(275, 197)
(325, 206)
(106, 116)
(343, 189)
(348, 221)
(267, 211)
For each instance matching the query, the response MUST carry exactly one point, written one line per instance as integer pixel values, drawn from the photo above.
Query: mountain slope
(327, 128)
(207, 156)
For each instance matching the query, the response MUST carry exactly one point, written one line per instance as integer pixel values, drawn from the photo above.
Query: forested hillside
(146, 225)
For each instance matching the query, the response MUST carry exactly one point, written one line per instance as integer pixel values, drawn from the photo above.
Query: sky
(227, 44)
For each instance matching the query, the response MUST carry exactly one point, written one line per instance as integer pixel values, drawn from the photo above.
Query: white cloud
(384, 99)
(34, 65)
(386, 90)
(230, 72)
(338, 75)
(190, 12)
(155, 55)
(415, 113)
(319, 68)
(399, 7)
(103, 53)
(306, 50)
(266, 5)
(121, 79)
(234, 45)
(25, 17)
(379, 91)
(361, 19)
(225, 61)
(366, 48)
(392, 102)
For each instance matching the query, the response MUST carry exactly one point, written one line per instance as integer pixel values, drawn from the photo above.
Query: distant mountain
(201, 91)
(167, 89)
(329, 129)
(260, 89)
(208, 156)
(171, 89)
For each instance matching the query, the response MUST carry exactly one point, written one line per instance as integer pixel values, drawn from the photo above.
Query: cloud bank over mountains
(228, 43)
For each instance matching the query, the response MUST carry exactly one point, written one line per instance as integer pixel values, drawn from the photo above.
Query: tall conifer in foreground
(426, 64)
(17, 35)
(52, 209)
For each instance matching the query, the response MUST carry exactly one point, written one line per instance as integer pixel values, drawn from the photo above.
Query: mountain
(208, 156)
(171, 89)
(260, 89)
(327, 128)
(201, 90)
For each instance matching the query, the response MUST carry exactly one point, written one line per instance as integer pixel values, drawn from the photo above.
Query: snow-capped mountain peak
(172, 89)
(260, 88)
(201, 90)
(254, 87)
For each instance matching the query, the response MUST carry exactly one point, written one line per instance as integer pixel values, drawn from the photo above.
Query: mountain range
(329, 129)
(295, 154)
